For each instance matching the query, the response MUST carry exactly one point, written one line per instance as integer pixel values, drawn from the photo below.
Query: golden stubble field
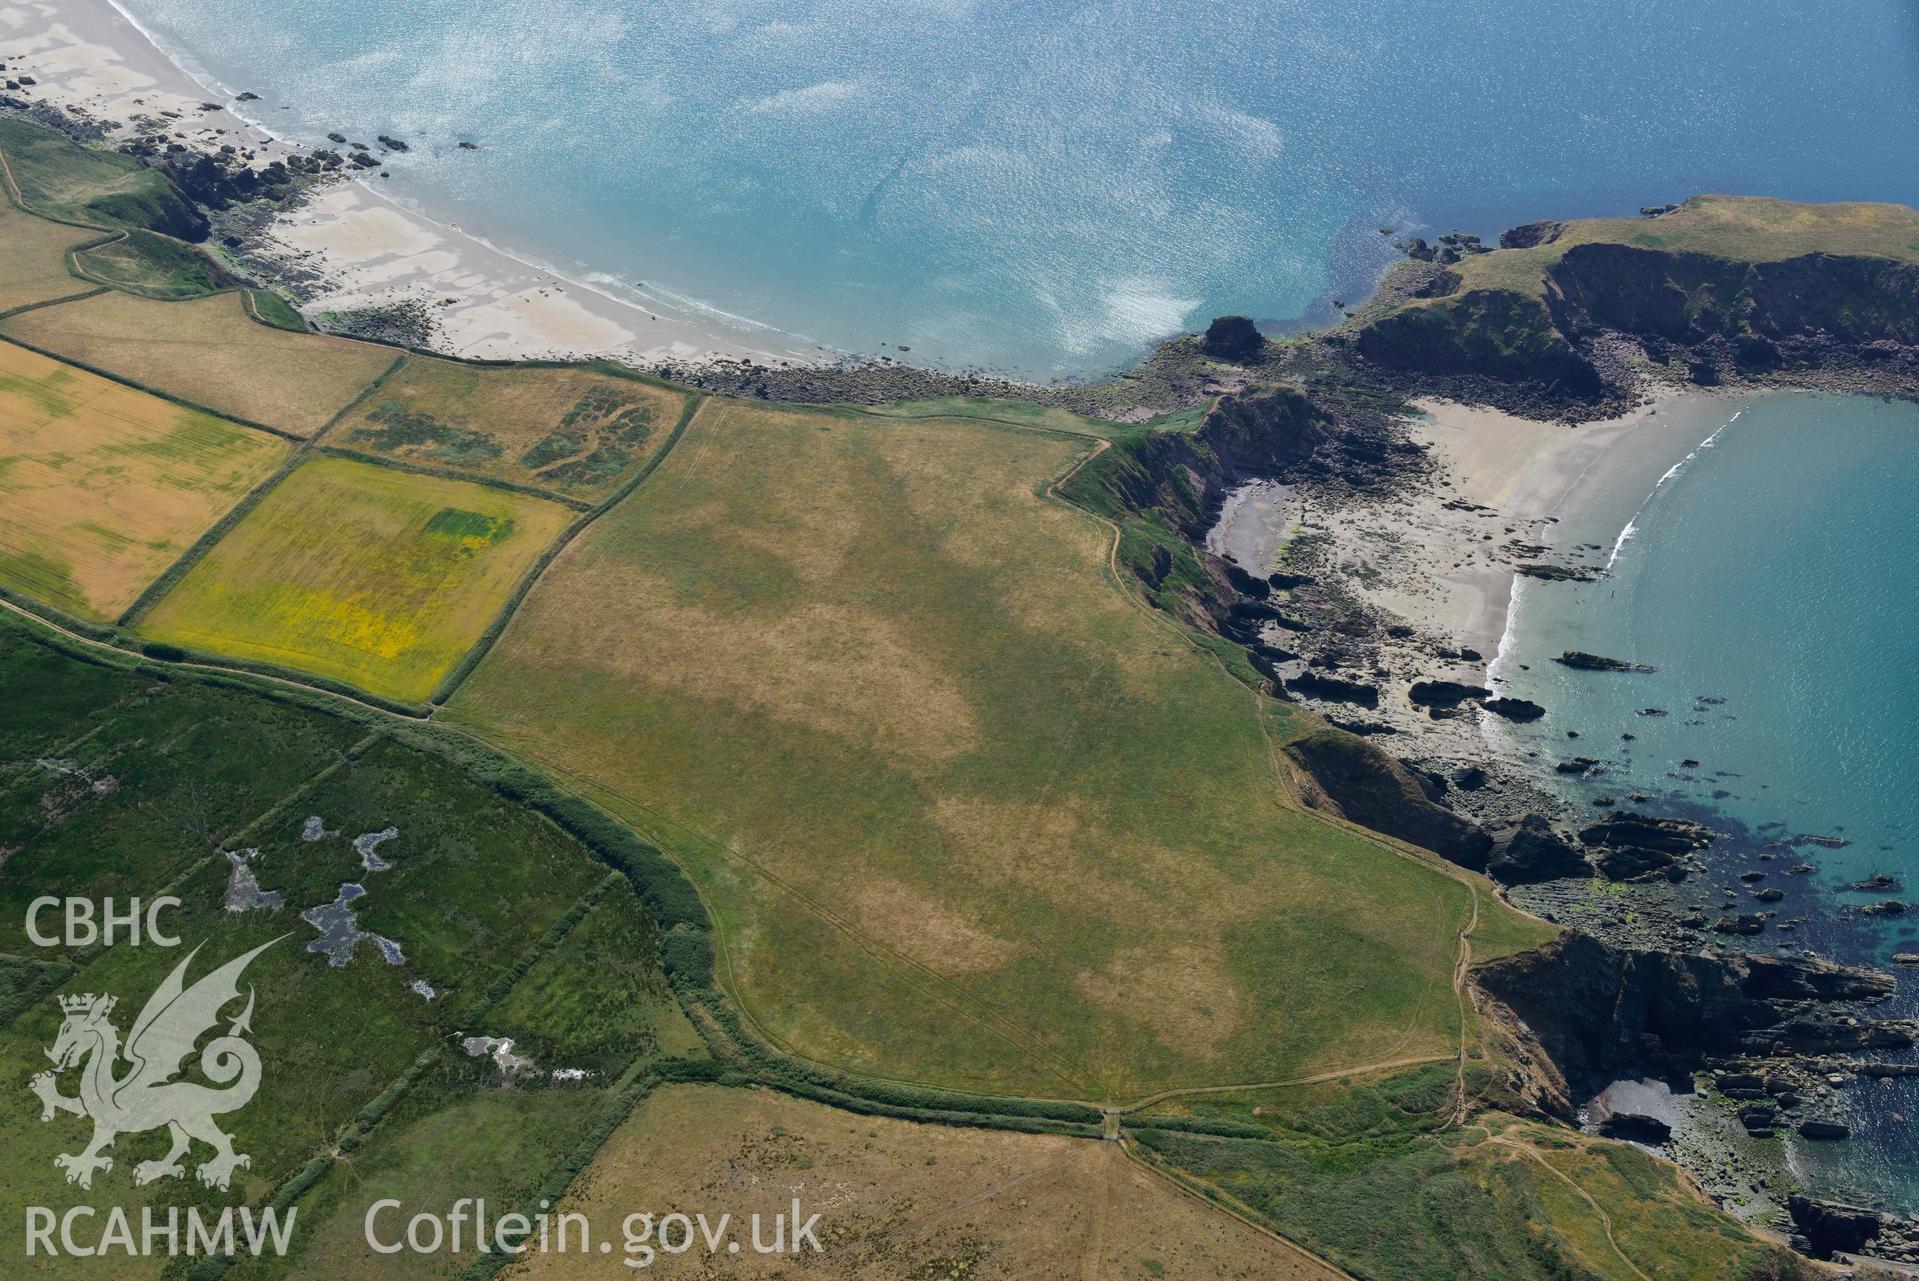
(102, 487)
(573, 430)
(209, 352)
(896, 1199)
(33, 258)
(377, 577)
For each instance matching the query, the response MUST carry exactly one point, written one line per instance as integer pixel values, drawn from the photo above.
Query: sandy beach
(350, 245)
(1568, 489)
(1439, 560)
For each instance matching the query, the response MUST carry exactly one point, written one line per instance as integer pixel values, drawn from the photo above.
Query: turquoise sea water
(1773, 581)
(1047, 186)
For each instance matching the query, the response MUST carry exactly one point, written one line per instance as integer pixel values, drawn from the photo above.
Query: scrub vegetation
(576, 431)
(123, 782)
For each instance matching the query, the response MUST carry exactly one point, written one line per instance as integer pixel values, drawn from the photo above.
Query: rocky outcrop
(1333, 689)
(1527, 850)
(1233, 338)
(1629, 845)
(1543, 350)
(1635, 1127)
(1831, 1226)
(1444, 693)
(1514, 709)
(1532, 234)
(1556, 573)
(1582, 661)
(1824, 1131)
(1372, 789)
(1602, 1011)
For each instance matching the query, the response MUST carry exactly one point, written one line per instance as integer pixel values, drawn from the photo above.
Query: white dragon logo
(146, 1098)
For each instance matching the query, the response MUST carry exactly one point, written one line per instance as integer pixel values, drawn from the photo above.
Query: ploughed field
(102, 487)
(377, 577)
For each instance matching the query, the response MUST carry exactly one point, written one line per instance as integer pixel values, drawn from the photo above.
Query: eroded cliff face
(1601, 1011)
(1185, 476)
(1362, 783)
(1716, 317)
(1486, 333)
(1690, 298)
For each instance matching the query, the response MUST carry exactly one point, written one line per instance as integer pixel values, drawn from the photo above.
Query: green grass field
(568, 429)
(147, 262)
(377, 577)
(67, 180)
(209, 352)
(967, 813)
(102, 487)
(479, 891)
(1748, 227)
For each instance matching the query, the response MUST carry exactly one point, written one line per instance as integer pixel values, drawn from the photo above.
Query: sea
(1046, 187)
(1771, 580)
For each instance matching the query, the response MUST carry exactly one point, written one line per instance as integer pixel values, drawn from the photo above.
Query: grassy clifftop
(1743, 284)
(62, 179)
(1741, 228)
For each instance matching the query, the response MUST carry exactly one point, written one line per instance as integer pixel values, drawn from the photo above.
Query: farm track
(1605, 1220)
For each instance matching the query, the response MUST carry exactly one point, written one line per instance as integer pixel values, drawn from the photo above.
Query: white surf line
(1632, 522)
(1508, 637)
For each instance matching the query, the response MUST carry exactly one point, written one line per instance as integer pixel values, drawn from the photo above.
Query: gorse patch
(403, 430)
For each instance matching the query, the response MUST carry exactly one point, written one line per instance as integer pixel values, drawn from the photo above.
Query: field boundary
(415, 468)
(494, 630)
(170, 577)
(110, 376)
(359, 397)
